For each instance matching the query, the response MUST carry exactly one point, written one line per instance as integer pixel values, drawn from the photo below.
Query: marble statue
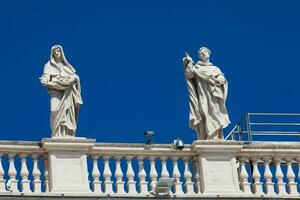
(207, 87)
(64, 89)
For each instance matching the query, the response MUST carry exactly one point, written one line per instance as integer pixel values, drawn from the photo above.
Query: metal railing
(250, 126)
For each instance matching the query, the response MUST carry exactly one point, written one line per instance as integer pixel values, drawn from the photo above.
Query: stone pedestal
(68, 164)
(218, 166)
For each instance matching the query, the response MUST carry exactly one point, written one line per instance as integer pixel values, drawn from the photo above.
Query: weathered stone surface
(53, 197)
(208, 88)
(68, 164)
(65, 92)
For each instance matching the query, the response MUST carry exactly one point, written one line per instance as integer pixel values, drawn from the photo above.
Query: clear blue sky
(128, 55)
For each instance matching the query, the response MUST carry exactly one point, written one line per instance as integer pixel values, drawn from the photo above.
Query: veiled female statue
(64, 89)
(207, 88)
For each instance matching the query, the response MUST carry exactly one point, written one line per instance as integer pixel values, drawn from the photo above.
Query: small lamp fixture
(163, 186)
(149, 137)
(178, 144)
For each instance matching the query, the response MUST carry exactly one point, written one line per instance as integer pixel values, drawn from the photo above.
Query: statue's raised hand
(187, 60)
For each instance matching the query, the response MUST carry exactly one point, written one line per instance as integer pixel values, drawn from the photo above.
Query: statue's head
(57, 55)
(204, 54)
(57, 52)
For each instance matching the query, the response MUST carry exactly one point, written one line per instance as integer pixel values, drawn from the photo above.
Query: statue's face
(57, 53)
(204, 55)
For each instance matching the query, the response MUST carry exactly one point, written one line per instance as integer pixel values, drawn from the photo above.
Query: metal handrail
(276, 114)
(275, 124)
(250, 132)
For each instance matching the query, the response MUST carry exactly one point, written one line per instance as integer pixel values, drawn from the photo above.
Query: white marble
(64, 89)
(208, 88)
(201, 170)
(218, 167)
(67, 159)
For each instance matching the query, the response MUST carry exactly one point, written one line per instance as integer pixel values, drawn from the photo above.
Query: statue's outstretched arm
(189, 73)
(188, 66)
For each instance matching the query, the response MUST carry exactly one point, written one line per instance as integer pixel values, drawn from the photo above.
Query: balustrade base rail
(48, 196)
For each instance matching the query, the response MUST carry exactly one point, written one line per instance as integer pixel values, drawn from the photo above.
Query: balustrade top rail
(113, 149)
(7, 146)
(140, 149)
(276, 150)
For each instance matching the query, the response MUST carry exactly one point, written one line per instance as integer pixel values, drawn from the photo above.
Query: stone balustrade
(15, 173)
(263, 169)
(137, 168)
(269, 169)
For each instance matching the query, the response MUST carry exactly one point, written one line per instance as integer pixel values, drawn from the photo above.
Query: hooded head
(57, 52)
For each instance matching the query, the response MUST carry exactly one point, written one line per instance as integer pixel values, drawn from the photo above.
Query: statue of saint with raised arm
(208, 89)
(64, 89)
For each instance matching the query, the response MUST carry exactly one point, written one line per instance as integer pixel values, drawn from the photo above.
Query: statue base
(218, 166)
(67, 164)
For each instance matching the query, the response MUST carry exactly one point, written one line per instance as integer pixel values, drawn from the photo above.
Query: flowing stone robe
(208, 113)
(64, 89)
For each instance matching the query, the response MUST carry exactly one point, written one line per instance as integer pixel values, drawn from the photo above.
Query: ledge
(67, 143)
(220, 146)
(134, 149)
(92, 196)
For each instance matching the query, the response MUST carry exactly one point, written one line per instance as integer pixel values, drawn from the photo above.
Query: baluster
(245, 185)
(197, 175)
(143, 184)
(46, 173)
(130, 176)
(189, 185)
(25, 183)
(153, 173)
(2, 181)
(164, 170)
(12, 182)
(119, 176)
(280, 185)
(269, 185)
(176, 176)
(108, 184)
(36, 173)
(292, 186)
(257, 185)
(96, 184)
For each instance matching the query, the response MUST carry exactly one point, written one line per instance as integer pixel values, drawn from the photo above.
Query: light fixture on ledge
(178, 144)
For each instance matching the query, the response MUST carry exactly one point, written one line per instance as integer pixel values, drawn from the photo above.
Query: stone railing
(265, 165)
(202, 169)
(142, 166)
(15, 159)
